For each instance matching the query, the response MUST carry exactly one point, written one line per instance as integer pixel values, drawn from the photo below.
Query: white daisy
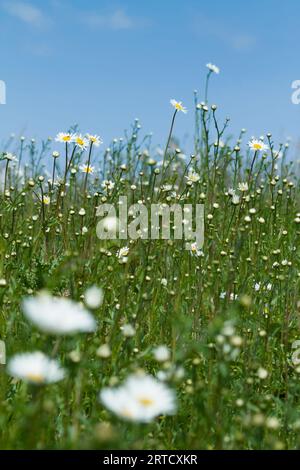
(123, 252)
(95, 140)
(36, 368)
(87, 169)
(178, 106)
(243, 187)
(213, 68)
(64, 137)
(93, 297)
(57, 315)
(80, 141)
(161, 353)
(140, 399)
(46, 200)
(257, 145)
(193, 177)
(194, 250)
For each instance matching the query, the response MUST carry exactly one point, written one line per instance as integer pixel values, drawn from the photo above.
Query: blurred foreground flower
(35, 368)
(93, 297)
(57, 315)
(140, 398)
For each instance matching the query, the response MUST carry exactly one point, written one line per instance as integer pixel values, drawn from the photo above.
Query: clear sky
(103, 63)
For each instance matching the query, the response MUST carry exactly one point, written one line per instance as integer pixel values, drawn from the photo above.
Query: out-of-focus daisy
(123, 252)
(95, 140)
(10, 156)
(213, 68)
(46, 200)
(140, 399)
(80, 141)
(243, 187)
(194, 250)
(108, 184)
(64, 137)
(57, 315)
(35, 368)
(178, 106)
(257, 145)
(193, 177)
(161, 353)
(93, 297)
(87, 169)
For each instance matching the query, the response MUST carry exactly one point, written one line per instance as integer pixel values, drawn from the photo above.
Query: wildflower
(257, 145)
(193, 177)
(35, 368)
(3, 283)
(11, 157)
(128, 330)
(82, 212)
(107, 184)
(103, 351)
(87, 169)
(140, 399)
(213, 68)
(243, 187)
(64, 137)
(57, 315)
(55, 154)
(93, 297)
(161, 353)
(194, 250)
(123, 252)
(46, 200)
(178, 106)
(80, 141)
(95, 140)
(262, 373)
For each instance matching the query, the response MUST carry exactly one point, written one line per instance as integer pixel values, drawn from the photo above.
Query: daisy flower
(35, 368)
(123, 252)
(193, 177)
(80, 141)
(108, 184)
(243, 187)
(87, 169)
(257, 145)
(194, 250)
(11, 157)
(140, 399)
(213, 68)
(57, 315)
(93, 297)
(178, 106)
(46, 200)
(95, 140)
(64, 137)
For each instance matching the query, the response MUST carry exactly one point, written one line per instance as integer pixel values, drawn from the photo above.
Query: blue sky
(103, 63)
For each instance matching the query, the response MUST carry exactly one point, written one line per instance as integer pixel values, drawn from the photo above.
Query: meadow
(143, 344)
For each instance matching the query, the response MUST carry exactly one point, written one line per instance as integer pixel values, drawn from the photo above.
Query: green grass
(222, 403)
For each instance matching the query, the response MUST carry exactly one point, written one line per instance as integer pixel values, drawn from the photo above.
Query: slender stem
(88, 167)
(6, 173)
(168, 141)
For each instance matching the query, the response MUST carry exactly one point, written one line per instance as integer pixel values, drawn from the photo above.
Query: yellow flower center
(145, 401)
(66, 138)
(79, 141)
(36, 378)
(178, 106)
(257, 146)
(88, 169)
